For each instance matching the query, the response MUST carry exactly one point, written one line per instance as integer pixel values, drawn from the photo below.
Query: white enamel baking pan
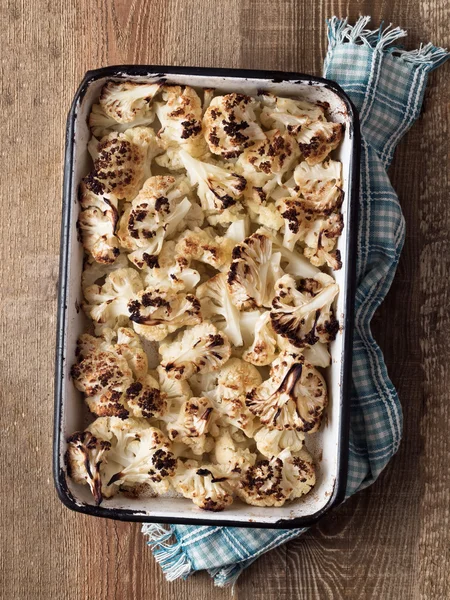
(329, 446)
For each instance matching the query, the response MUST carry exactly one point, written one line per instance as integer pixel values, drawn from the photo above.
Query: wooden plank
(390, 541)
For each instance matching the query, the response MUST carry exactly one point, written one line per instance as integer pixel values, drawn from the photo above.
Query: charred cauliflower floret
(273, 156)
(270, 442)
(122, 162)
(169, 271)
(97, 220)
(156, 313)
(84, 456)
(180, 116)
(205, 485)
(197, 348)
(253, 272)
(287, 114)
(127, 101)
(194, 421)
(320, 241)
(217, 306)
(140, 455)
(154, 214)
(203, 246)
(263, 349)
(114, 377)
(302, 312)
(231, 125)
(318, 139)
(319, 186)
(236, 380)
(317, 355)
(217, 188)
(232, 457)
(107, 304)
(272, 482)
(176, 391)
(294, 396)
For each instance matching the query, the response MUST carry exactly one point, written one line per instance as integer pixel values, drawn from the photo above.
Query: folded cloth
(387, 85)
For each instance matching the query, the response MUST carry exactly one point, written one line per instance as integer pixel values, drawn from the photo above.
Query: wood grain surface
(389, 542)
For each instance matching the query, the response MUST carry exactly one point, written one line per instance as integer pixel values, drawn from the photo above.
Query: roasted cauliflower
(154, 215)
(207, 221)
(272, 482)
(302, 312)
(197, 348)
(231, 125)
(294, 396)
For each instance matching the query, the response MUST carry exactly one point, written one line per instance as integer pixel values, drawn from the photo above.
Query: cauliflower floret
(253, 272)
(84, 456)
(317, 355)
(265, 214)
(194, 422)
(154, 214)
(302, 312)
(235, 381)
(319, 186)
(181, 124)
(318, 139)
(204, 246)
(126, 101)
(176, 391)
(227, 217)
(107, 304)
(156, 313)
(230, 124)
(294, 396)
(123, 161)
(232, 457)
(273, 156)
(197, 348)
(217, 189)
(217, 306)
(270, 442)
(129, 346)
(296, 221)
(263, 349)
(101, 124)
(205, 485)
(289, 114)
(321, 240)
(272, 482)
(94, 272)
(97, 230)
(169, 272)
(139, 455)
(114, 377)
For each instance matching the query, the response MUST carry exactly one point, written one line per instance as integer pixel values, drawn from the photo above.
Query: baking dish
(329, 446)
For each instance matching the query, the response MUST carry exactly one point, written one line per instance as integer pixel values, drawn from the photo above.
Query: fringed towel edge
(340, 32)
(167, 551)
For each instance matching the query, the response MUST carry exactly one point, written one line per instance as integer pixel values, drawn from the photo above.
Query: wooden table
(389, 542)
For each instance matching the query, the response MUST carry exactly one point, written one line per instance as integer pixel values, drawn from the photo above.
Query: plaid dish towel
(387, 85)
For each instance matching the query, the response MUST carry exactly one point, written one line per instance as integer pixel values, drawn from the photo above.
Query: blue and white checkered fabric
(386, 85)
